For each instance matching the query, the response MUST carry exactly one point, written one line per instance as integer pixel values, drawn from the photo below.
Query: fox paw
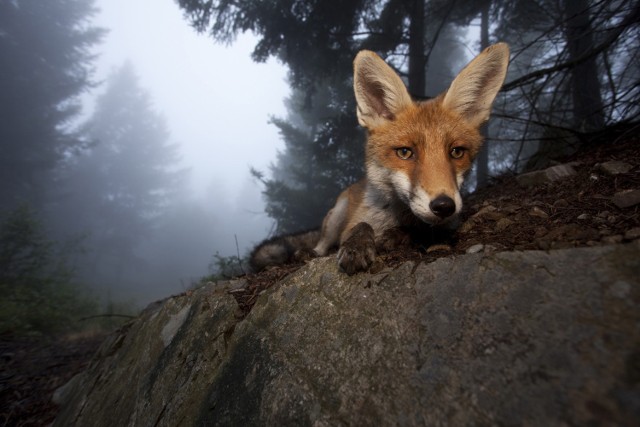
(358, 252)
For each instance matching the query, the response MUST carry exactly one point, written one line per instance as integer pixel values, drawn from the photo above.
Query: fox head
(419, 152)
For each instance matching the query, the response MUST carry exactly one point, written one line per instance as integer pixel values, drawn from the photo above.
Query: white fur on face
(402, 186)
(420, 206)
(380, 178)
(458, 199)
(419, 200)
(392, 184)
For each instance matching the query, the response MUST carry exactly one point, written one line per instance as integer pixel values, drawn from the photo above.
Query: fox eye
(404, 153)
(457, 152)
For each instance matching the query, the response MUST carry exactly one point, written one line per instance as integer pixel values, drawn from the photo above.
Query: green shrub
(37, 290)
(226, 267)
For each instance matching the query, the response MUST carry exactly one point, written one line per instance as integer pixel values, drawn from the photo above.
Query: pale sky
(217, 101)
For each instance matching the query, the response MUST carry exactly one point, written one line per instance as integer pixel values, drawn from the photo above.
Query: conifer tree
(550, 43)
(120, 185)
(46, 57)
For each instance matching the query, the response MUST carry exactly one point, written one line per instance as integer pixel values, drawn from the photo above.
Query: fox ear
(380, 93)
(473, 91)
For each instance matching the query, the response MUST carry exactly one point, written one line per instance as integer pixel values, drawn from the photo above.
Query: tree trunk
(585, 86)
(482, 163)
(417, 58)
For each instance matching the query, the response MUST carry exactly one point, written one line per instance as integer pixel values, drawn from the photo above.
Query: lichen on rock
(534, 337)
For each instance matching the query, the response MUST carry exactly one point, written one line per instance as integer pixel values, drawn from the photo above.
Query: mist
(216, 102)
(213, 104)
(147, 145)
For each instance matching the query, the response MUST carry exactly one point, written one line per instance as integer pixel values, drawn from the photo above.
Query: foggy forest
(98, 215)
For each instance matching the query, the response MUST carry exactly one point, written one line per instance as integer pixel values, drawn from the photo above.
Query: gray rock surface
(615, 167)
(626, 198)
(545, 176)
(519, 338)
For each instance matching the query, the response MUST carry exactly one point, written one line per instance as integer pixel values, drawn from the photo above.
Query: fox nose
(443, 206)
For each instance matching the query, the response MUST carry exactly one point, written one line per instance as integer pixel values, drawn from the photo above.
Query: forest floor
(31, 369)
(599, 204)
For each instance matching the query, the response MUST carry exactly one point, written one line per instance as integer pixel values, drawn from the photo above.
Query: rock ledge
(536, 338)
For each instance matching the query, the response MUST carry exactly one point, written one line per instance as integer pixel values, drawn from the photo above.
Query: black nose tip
(443, 206)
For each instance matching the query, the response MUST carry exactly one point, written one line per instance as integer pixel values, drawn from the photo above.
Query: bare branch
(614, 33)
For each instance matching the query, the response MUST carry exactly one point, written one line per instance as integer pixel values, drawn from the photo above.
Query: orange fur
(442, 136)
(417, 154)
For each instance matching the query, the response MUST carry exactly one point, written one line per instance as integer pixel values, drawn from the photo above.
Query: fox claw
(358, 252)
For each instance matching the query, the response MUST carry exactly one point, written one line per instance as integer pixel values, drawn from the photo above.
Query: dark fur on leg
(283, 249)
(358, 252)
(393, 238)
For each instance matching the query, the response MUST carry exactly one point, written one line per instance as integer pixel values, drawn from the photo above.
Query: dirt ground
(31, 369)
(573, 211)
(576, 210)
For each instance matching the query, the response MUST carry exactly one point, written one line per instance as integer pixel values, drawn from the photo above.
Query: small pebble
(541, 231)
(439, 248)
(561, 203)
(615, 167)
(632, 234)
(617, 238)
(478, 247)
(537, 212)
(488, 212)
(540, 177)
(490, 249)
(510, 209)
(466, 227)
(503, 224)
(626, 198)
(583, 217)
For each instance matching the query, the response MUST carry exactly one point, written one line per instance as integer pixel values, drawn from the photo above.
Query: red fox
(417, 154)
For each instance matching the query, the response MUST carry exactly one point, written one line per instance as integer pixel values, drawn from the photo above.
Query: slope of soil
(577, 210)
(32, 369)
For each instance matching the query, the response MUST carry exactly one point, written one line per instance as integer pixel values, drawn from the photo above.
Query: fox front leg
(358, 251)
(392, 239)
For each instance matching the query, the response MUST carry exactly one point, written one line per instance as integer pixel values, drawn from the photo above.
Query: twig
(235, 236)
(108, 315)
(615, 33)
